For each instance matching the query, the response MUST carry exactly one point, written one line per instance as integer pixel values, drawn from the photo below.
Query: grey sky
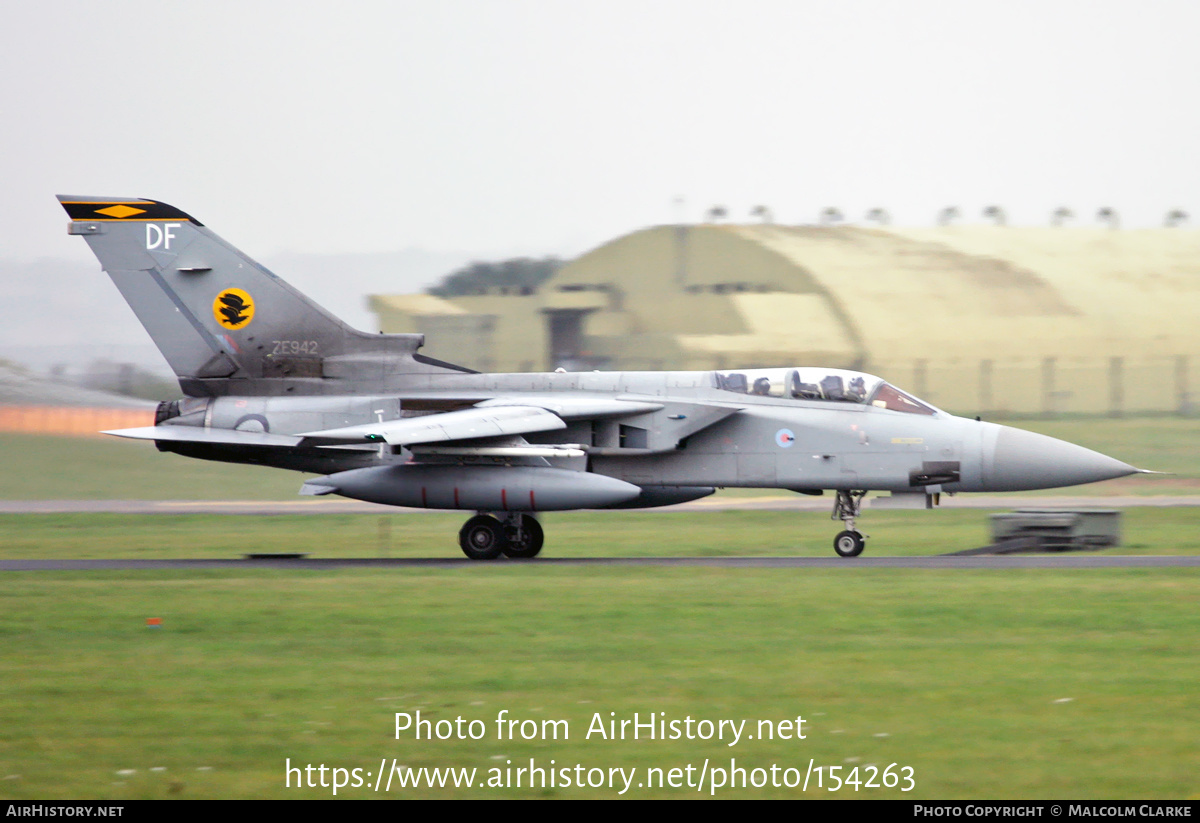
(549, 127)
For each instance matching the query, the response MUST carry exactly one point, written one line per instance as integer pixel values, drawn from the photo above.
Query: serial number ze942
(295, 347)
(870, 777)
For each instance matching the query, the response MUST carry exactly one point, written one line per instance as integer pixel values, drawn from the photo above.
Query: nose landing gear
(846, 507)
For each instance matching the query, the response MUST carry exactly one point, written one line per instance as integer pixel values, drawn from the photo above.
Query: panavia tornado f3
(270, 378)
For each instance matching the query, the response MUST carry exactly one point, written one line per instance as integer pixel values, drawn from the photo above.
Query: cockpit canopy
(836, 385)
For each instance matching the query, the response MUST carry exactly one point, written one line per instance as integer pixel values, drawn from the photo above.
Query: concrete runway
(1029, 561)
(765, 503)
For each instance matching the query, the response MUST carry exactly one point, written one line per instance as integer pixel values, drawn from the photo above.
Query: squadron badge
(233, 309)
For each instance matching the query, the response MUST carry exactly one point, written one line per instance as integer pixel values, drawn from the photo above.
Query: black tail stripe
(150, 210)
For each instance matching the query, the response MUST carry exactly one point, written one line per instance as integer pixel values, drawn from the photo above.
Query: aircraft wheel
(482, 538)
(849, 544)
(531, 540)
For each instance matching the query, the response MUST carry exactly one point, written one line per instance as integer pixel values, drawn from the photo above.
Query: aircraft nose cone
(1024, 460)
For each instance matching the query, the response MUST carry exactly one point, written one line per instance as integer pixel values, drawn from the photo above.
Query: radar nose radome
(1024, 460)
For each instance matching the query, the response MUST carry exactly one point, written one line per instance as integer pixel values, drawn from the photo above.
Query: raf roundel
(784, 438)
(233, 309)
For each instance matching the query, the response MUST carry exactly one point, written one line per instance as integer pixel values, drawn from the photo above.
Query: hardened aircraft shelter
(975, 319)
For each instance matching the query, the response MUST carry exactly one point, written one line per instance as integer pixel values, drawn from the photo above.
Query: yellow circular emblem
(233, 309)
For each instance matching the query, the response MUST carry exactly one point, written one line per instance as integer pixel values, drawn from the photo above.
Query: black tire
(531, 542)
(849, 544)
(482, 538)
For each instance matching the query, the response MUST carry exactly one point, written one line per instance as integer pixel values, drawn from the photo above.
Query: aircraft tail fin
(224, 323)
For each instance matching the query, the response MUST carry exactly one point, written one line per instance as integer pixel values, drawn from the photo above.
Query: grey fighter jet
(272, 379)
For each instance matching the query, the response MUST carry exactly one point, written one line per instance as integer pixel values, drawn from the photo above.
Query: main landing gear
(516, 535)
(846, 507)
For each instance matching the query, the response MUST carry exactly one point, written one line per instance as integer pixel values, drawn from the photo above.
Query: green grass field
(988, 684)
(1029, 684)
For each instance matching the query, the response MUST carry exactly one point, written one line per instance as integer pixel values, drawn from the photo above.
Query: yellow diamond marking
(120, 211)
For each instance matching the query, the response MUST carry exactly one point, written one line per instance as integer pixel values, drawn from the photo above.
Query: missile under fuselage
(478, 488)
